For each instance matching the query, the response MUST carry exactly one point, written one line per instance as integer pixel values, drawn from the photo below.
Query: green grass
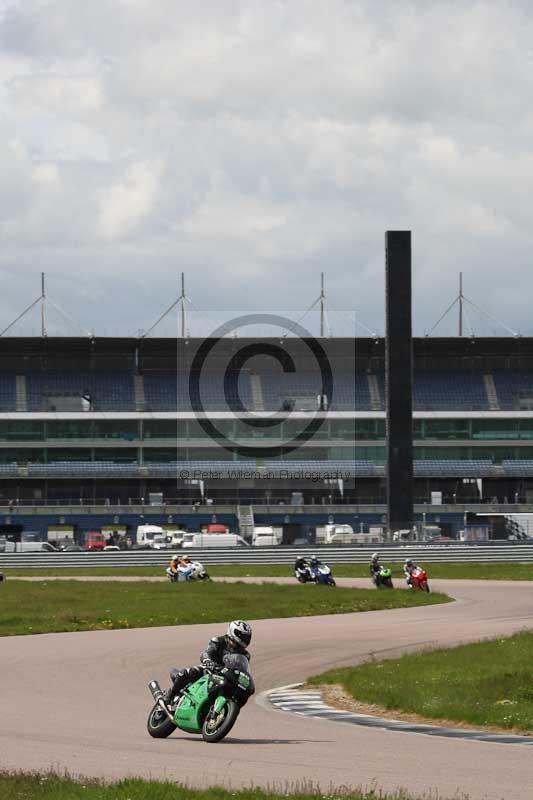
(486, 683)
(477, 571)
(44, 607)
(50, 786)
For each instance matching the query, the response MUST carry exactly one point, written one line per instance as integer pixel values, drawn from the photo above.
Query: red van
(94, 540)
(216, 527)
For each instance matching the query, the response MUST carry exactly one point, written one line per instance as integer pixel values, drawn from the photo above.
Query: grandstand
(105, 423)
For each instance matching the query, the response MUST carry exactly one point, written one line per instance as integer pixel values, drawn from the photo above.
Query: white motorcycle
(194, 572)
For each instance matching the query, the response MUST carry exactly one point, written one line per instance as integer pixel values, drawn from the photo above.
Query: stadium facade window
(21, 455)
(164, 429)
(68, 454)
(208, 454)
(124, 455)
(125, 429)
(69, 429)
(376, 454)
(369, 429)
(442, 453)
(224, 426)
(243, 431)
(163, 455)
(306, 453)
(343, 453)
(341, 429)
(445, 429)
(293, 427)
(21, 430)
(526, 428)
(496, 429)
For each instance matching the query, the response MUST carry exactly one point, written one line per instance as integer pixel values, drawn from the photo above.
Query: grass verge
(55, 606)
(49, 786)
(487, 683)
(453, 571)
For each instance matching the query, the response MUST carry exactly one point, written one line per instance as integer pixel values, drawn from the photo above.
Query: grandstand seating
(8, 393)
(464, 468)
(518, 468)
(443, 391)
(349, 391)
(109, 390)
(167, 391)
(474, 468)
(170, 391)
(511, 386)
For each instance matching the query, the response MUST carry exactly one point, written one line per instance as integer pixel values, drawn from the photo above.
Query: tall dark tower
(399, 380)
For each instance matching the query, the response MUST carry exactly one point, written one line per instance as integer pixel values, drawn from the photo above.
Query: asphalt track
(79, 702)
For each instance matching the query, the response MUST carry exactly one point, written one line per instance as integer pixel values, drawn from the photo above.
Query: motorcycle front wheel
(217, 725)
(159, 726)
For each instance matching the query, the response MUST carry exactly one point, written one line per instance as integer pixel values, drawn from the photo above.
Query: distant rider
(180, 566)
(301, 566)
(375, 567)
(408, 567)
(234, 641)
(314, 564)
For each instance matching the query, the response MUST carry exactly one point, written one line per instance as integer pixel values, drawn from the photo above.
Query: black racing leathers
(211, 658)
(218, 647)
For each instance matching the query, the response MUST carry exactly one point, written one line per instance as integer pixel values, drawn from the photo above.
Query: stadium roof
(24, 354)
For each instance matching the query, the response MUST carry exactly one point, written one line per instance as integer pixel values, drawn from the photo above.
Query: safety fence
(497, 551)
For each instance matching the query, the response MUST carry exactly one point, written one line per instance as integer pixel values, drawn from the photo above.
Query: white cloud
(255, 144)
(128, 202)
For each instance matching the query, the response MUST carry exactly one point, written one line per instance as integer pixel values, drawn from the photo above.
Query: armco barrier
(509, 551)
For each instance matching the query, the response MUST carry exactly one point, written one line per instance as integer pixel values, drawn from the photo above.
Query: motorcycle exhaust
(159, 698)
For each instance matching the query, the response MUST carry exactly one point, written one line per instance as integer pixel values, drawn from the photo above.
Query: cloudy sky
(253, 144)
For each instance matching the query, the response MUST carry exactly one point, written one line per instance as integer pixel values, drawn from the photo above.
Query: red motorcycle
(419, 579)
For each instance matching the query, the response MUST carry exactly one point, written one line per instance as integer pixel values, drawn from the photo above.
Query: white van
(338, 534)
(265, 536)
(152, 536)
(213, 540)
(30, 547)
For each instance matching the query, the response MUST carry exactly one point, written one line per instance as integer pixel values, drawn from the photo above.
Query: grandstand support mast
(460, 304)
(182, 298)
(322, 300)
(43, 298)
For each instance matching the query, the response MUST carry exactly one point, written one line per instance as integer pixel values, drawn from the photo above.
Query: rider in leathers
(237, 637)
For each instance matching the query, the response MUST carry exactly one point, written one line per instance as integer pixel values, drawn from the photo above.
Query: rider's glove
(209, 664)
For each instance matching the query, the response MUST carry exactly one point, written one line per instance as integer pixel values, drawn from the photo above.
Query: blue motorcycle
(321, 573)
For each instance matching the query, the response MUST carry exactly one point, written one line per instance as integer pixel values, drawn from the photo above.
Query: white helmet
(240, 632)
(176, 557)
(375, 556)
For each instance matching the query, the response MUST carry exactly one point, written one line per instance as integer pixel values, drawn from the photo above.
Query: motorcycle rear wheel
(159, 726)
(216, 726)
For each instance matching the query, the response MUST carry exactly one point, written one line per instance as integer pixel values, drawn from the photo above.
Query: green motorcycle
(209, 706)
(383, 578)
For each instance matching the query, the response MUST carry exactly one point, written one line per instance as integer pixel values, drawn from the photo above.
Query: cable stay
(44, 301)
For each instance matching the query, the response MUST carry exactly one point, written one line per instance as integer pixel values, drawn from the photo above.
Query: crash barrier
(332, 554)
